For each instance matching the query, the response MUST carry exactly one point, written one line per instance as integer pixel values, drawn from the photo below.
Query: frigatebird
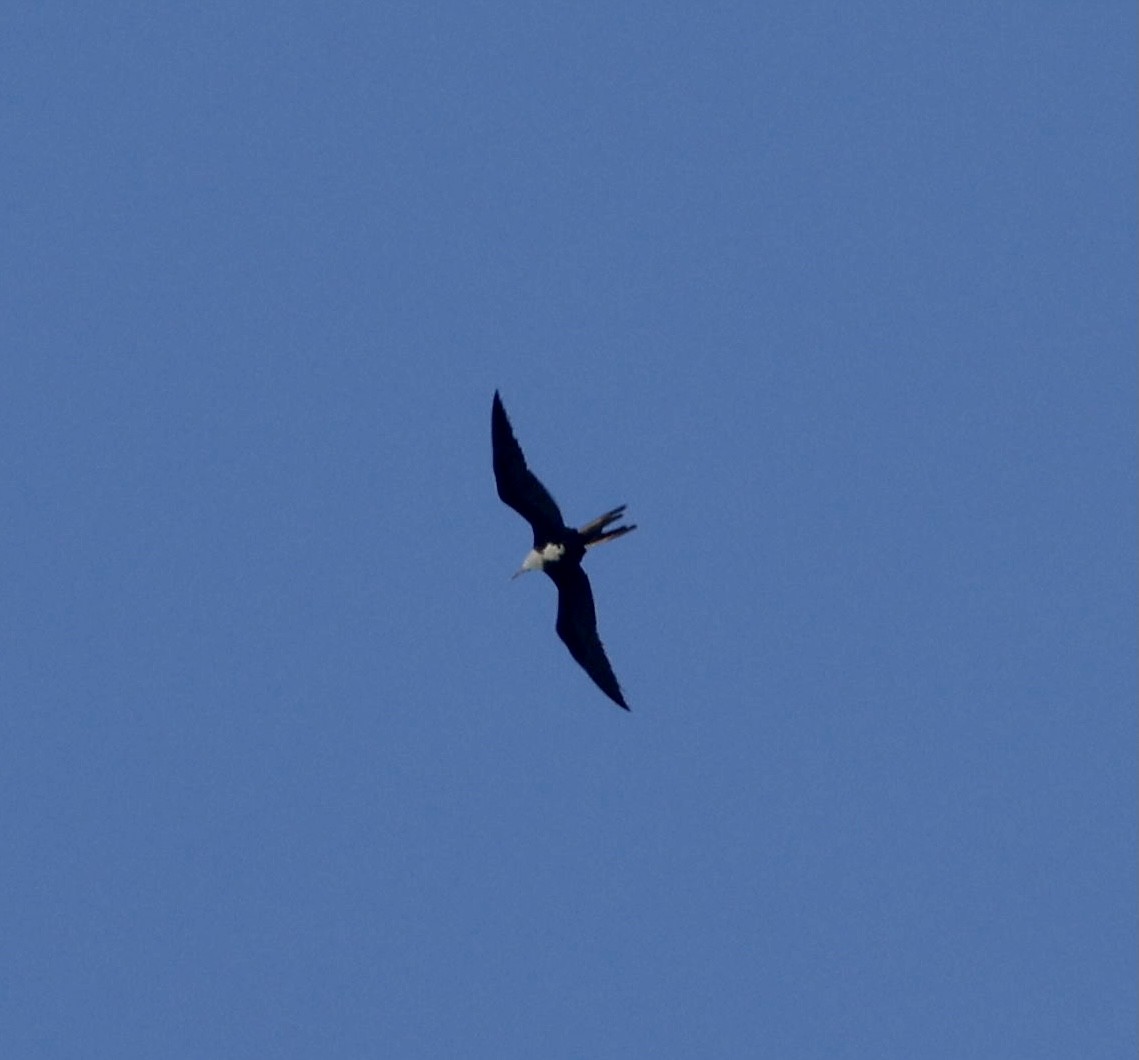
(558, 550)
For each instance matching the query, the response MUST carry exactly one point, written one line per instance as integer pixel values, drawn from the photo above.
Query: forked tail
(596, 532)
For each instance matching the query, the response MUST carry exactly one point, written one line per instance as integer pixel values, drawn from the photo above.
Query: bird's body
(558, 550)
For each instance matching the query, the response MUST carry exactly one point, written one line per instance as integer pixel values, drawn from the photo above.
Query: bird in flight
(558, 550)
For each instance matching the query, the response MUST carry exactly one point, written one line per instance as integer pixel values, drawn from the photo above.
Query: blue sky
(840, 300)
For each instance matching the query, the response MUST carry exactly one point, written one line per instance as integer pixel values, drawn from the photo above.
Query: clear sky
(839, 299)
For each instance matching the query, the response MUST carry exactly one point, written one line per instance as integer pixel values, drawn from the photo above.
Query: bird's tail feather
(596, 532)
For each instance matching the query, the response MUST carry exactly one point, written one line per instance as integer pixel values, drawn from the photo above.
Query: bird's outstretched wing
(577, 626)
(517, 484)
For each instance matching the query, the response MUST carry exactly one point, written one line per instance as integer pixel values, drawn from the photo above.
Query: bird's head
(537, 558)
(534, 561)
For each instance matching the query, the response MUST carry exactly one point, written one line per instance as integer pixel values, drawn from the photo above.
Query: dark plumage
(558, 550)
